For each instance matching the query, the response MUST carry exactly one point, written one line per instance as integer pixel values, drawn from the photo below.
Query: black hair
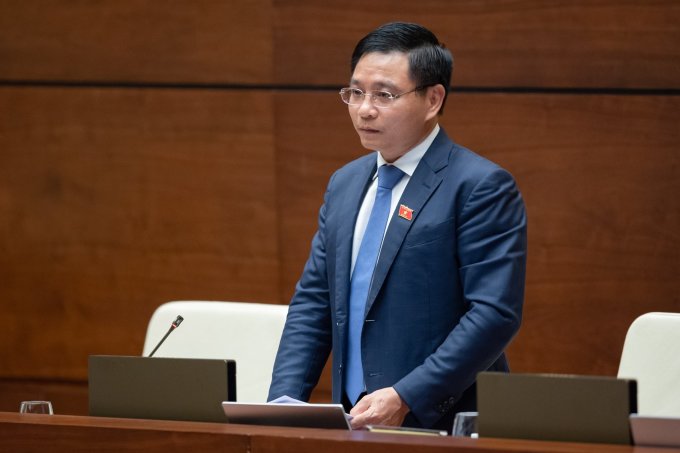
(430, 62)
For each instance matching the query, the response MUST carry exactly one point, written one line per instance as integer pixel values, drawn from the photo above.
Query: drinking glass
(36, 407)
(465, 424)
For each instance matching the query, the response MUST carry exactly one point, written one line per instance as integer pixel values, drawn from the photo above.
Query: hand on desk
(382, 407)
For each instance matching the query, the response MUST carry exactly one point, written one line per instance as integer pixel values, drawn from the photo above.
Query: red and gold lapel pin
(405, 212)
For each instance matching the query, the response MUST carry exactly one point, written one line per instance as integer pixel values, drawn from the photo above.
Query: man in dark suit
(415, 278)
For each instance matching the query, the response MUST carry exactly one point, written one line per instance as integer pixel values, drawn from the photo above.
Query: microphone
(174, 325)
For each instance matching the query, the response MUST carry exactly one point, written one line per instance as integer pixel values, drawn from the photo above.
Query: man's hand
(382, 407)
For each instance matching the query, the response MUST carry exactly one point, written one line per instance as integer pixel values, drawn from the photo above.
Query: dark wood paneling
(113, 201)
(309, 147)
(599, 175)
(605, 43)
(67, 397)
(205, 41)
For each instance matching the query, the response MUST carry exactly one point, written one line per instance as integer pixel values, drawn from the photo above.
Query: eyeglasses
(381, 99)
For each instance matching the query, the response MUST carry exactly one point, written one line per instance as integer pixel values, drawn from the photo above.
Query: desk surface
(66, 433)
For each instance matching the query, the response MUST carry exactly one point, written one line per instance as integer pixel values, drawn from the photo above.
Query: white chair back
(248, 333)
(651, 355)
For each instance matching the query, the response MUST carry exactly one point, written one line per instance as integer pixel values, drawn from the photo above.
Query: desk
(67, 433)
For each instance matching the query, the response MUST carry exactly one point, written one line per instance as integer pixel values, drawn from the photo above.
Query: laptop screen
(329, 416)
(160, 388)
(555, 407)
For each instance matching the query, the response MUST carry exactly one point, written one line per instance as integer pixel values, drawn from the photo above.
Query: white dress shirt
(406, 163)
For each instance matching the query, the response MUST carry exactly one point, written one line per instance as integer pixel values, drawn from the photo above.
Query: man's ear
(435, 98)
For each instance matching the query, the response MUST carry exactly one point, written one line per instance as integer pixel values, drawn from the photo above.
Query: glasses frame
(372, 93)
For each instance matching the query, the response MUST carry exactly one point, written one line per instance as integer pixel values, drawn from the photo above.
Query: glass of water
(465, 424)
(36, 407)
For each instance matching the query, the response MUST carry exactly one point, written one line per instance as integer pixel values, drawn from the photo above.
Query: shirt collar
(409, 161)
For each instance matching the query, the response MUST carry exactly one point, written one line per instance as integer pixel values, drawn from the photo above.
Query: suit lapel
(425, 180)
(351, 203)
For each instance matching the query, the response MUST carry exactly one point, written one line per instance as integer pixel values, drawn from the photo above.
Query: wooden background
(154, 151)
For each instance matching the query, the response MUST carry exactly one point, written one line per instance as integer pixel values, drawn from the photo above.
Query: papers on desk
(285, 399)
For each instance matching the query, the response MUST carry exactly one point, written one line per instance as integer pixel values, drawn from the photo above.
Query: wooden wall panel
(197, 41)
(67, 397)
(113, 201)
(598, 174)
(307, 152)
(607, 43)
(532, 43)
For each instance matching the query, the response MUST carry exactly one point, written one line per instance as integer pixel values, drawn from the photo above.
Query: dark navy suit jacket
(446, 297)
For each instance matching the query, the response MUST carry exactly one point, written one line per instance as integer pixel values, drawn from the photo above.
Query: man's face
(398, 128)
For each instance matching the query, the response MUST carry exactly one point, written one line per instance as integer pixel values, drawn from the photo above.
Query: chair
(248, 333)
(651, 355)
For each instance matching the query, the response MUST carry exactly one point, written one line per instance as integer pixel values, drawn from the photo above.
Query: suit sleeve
(307, 336)
(491, 241)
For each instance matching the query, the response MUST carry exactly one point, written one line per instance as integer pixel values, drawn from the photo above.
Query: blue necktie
(388, 177)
